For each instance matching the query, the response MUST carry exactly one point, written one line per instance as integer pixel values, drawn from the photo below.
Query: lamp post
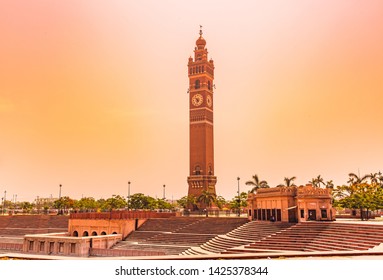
(3, 202)
(164, 193)
(5, 198)
(38, 204)
(128, 195)
(60, 211)
(239, 200)
(15, 207)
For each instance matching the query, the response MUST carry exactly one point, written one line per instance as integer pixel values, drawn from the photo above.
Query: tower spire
(200, 30)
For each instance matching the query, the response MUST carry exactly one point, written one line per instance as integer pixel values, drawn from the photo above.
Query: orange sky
(93, 93)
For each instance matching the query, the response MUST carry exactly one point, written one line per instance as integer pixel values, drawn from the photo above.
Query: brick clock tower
(201, 76)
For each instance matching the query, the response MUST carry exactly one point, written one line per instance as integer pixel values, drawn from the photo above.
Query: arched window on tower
(208, 85)
(197, 84)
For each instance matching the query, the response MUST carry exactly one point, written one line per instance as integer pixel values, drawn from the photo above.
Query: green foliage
(317, 182)
(256, 184)
(220, 202)
(188, 201)
(207, 198)
(26, 206)
(162, 204)
(86, 204)
(141, 201)
(238, 202)
(115, 202)
(64, 203)
(364, 193)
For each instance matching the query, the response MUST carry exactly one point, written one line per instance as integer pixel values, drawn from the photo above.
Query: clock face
(209, 101)
(197, 99)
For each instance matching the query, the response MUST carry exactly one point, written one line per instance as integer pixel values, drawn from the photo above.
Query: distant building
(291, 204)
(45, 200)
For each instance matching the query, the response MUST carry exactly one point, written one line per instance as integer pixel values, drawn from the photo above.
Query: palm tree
(329, 185)
(288, 182)
(207, 198)
(316, 182)
(256, 184)
(374, 178)
(380, 178)
(313, 182)
(355, 179)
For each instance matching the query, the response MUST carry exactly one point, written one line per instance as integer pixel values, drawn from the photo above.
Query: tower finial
(200, 30)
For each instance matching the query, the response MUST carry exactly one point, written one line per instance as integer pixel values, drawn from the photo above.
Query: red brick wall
(11, 246)
(120, 253)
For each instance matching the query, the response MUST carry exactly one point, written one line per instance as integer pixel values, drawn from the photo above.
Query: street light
(5, 198)
(2, 203)
(128, 194)
(239, 200)
(60, 211)
(164, 192)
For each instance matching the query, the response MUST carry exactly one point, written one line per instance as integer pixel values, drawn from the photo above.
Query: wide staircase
(19, 225)
(243, 235)
(318, 236)
(174, 235)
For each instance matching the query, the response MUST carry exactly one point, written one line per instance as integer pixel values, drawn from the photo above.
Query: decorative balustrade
(121, 215)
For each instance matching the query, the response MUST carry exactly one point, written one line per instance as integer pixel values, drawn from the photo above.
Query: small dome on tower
(201, 43)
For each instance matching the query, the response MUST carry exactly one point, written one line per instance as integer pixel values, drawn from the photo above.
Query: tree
(115, 202)
(26, 206)
(221, 202)
(161, 203)
(380, 179)
(329, 185)
(63, 204)
(373, 177)
(316, 182)
(360, 194)
(288, 182)
(207, 198)
(86, 204)
(141, 201)
(355, 179)
(188, 201)
(256, 184)
(239, 202)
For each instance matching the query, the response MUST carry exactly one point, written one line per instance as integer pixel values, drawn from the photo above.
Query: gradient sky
(93, 94)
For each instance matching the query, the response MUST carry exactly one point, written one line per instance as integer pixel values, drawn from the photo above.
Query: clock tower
(201, 75)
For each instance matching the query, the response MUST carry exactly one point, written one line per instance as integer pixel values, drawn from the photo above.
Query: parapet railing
(121, 215)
